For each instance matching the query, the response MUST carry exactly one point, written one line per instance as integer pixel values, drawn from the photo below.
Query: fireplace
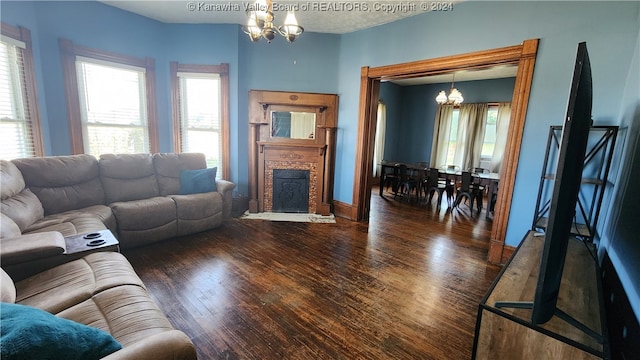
(291, 163)
(290, 191)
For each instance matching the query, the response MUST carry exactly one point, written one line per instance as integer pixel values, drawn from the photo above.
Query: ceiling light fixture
(260, 23)
(454, 98)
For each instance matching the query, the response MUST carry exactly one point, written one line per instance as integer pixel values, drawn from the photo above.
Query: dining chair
(406, 183)
(433, 184)
(390, 177)
(476, 182)
(469, 191)
(492, 201)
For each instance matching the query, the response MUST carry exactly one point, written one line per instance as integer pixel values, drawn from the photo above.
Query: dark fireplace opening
(290, 191)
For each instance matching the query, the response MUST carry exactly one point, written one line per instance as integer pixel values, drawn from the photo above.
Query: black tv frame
(566, 187)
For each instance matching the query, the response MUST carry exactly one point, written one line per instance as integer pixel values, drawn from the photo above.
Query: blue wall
(391, 95)
(607, 27)
(275, 66)
(412, 110)
(332, 63)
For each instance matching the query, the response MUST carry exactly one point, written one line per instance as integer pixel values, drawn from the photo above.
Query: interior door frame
(524, 55)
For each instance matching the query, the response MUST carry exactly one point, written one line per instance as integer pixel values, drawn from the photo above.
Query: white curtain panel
(471, 126)
(441, 134)
(381, 129)
(502, 131)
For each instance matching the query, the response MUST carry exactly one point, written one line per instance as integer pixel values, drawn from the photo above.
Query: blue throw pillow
(31, 333)
(198, 181)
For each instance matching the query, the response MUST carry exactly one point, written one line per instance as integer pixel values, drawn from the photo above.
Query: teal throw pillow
(198, 181)
(31, 333)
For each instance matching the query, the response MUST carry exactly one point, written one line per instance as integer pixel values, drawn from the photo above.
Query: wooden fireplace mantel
(316, 155)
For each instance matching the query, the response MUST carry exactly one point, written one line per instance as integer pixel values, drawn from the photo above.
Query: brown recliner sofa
(102, 291)
(136, 196)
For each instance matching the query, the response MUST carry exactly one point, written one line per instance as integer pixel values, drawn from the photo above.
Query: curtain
(502, 131)
(381, 129)
(441, 134)
(472, 123)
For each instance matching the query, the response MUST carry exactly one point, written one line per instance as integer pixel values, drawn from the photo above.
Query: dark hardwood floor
(406, 285)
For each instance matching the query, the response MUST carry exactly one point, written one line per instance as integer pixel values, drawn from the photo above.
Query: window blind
(112, 107)
(16, 127)
(200, 116)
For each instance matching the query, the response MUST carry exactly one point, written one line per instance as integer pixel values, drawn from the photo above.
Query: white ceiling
(336, 17)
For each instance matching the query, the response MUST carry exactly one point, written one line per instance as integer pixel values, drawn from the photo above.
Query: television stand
(504, 329)
(559, 313)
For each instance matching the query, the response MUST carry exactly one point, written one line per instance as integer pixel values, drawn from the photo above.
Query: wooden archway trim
(523, 55)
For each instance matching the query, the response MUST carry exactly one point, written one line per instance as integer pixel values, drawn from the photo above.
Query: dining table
(489, 180)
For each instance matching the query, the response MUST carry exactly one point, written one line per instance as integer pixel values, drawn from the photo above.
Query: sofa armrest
(30, 247)
(226, 189)
(169, 345)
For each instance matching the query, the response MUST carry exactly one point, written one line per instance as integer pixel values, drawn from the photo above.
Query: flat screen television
(566, 187)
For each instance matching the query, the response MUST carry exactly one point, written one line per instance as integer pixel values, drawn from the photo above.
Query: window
(201, 112)
(111, 101)
(112, 108)
(453, 137)
(461, 142)
(490, 132)
(19, 118)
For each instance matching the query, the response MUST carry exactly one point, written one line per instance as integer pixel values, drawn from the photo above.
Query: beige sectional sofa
(136, 196)
(141, 199)
(99, 291)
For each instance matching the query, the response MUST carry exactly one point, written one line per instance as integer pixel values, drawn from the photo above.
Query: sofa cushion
(127, 312)
(74, 282)
(145, 221)
(23, 208)
(198, 212)
(197, 181)
(7, 288)
(11, 180)
(169, 165)
(144, 214)
(74, 222)
(30, 333)
(63, 182)
(8, 227)
(127, 177)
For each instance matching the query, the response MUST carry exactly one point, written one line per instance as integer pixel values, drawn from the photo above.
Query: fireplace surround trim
(317, 154)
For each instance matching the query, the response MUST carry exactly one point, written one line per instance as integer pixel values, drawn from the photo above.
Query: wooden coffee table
(90, 242)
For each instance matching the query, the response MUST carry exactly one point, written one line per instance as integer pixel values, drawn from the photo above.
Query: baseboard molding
(507, 251)
(342, 210)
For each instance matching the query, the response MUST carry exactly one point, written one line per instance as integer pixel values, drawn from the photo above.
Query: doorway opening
(522, 55)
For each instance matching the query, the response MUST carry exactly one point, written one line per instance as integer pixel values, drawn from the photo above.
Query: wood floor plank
(405, 285)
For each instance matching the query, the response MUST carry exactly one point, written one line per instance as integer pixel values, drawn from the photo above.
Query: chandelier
(454, 98)
(260, 23)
